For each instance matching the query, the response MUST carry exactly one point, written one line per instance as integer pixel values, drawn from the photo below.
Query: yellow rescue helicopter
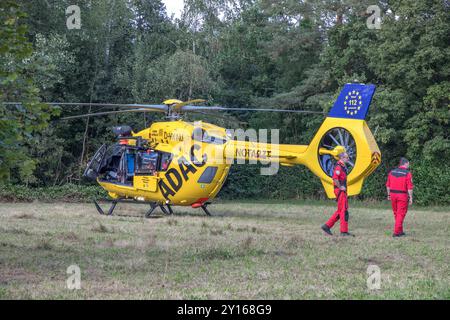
(180, 163)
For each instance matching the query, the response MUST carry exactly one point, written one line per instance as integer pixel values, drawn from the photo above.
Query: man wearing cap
(399, 188)
(340, 190)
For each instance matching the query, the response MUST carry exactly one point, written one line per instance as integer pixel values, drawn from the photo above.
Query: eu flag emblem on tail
(353, 101)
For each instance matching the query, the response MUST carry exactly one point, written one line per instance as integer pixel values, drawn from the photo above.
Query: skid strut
(111, 208)
(203, 206)
(153, 206)
(164, 210)
(150, 211)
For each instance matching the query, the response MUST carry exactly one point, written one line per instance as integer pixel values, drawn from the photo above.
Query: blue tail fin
(353, 101)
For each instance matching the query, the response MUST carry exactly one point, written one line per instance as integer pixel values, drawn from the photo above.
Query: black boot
(397, 235)
(347, 234)
(326, 229)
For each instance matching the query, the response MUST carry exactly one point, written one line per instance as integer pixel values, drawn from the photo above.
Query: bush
(246, 182)
(67, 192)
(431, 183)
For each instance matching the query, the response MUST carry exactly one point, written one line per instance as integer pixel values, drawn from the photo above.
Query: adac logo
(352, 102)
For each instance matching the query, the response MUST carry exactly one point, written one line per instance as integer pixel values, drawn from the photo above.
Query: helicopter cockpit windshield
(120, 163)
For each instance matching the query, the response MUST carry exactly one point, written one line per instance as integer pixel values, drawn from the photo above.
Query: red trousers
(399, 203)
(341, 212)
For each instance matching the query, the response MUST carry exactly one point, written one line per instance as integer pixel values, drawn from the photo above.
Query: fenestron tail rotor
(345, 130)
(333, 142)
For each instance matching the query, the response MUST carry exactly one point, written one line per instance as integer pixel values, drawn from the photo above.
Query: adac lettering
(175, 177)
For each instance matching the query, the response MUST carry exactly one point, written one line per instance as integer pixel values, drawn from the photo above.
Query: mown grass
(246, 251)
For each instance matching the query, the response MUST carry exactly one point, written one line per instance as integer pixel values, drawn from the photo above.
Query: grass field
(246, 251)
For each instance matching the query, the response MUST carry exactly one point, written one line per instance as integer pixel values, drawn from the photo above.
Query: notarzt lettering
(252, 153)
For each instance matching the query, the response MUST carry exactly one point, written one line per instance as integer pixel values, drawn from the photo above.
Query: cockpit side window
(147, 162)
(150, 161)
(208, 175)
(166, 159)
(111, 160)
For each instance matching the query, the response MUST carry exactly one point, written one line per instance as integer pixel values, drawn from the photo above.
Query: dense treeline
(290, 54)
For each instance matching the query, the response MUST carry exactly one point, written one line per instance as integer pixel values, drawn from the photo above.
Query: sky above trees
(174, 7)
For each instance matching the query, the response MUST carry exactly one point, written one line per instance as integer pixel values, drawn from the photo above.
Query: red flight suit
(399, 181)
(340, 174)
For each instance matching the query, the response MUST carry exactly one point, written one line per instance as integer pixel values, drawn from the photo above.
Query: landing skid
(153, 206)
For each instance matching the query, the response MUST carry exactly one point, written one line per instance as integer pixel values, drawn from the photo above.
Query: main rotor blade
(149, 107)
(218, 108)
(218, 117)
(103, 113)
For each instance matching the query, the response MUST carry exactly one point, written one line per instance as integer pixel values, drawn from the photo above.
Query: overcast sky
(174, 6)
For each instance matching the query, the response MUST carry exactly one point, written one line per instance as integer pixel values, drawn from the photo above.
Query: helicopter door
(145, 175)
(94, 166)
(146, 183)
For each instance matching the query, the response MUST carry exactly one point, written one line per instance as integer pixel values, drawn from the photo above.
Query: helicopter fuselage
(191, 161)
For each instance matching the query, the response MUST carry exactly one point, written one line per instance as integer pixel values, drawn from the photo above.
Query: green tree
(19, 124)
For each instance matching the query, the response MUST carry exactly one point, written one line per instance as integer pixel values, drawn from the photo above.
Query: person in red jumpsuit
(399, 188)
(340, 190)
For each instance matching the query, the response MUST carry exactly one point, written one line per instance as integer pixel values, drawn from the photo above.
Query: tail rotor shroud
(332, 139)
